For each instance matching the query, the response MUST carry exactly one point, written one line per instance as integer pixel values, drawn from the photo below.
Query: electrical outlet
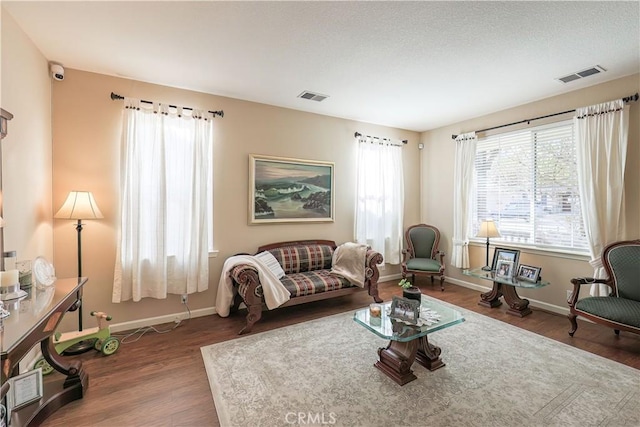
(569, 294)
(184, 298)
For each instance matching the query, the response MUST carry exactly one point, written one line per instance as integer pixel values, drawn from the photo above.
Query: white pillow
(271, 262)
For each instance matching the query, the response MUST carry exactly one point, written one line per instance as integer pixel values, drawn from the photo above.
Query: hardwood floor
(160, 380)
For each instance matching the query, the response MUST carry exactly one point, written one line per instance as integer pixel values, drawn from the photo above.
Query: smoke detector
(312, 96)
(596, 69)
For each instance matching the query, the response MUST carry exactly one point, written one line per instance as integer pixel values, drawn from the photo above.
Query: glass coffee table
(408, 343)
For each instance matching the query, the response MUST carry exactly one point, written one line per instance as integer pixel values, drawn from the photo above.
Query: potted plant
(409, 291)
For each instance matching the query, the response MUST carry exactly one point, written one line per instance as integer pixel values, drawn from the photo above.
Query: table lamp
(79, 205)
(488, 229)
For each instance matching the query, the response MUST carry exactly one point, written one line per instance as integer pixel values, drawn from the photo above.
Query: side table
(506, 288)
(33, 320)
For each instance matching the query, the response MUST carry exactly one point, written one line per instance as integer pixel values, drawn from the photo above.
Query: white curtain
(601, 138)
(380, 197)
(165, 190)
(463, 182)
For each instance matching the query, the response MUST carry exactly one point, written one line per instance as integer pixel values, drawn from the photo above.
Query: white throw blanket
(349, 262)
(275, 293)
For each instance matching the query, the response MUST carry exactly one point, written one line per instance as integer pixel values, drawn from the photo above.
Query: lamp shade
(79, 205)
(488, 229)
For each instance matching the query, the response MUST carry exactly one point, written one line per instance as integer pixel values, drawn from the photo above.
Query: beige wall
(26, 151)
(437, 183)
(86, 140)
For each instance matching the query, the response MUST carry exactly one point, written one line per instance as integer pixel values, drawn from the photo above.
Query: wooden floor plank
(160, 379)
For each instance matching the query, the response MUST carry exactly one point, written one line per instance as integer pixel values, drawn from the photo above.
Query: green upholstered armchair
(422, 256)
(621, 309)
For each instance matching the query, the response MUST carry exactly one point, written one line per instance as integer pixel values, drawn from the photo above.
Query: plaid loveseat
(307, 266)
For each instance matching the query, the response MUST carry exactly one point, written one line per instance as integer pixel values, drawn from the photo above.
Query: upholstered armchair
(422, 257)
(619, 310)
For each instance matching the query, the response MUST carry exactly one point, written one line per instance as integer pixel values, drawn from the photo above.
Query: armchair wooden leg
(442, 283)
(617, 331)
(574, 324)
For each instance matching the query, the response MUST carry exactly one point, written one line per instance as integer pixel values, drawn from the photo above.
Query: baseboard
(167, 318)
(532, 302)
(389, 277)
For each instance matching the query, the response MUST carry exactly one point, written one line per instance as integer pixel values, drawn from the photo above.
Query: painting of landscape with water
(290, 190)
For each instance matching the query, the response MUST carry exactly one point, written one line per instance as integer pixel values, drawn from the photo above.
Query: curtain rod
(629, 98)
(115, 96)
(358, 134)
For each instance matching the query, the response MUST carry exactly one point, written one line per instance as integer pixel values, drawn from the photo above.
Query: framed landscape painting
(290, 190)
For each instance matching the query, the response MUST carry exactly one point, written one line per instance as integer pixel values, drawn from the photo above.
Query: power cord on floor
(126, 338)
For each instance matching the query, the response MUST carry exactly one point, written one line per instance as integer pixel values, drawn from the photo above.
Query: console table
(34, 320)
(505, 287)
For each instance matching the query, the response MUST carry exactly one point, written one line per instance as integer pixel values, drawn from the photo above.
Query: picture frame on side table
(24, 389)
(285, 190)
(405, 309)
(505, 254)
(504, 269)
(528, 273)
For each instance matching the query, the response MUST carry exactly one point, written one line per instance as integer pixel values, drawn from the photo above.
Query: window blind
(526, 181)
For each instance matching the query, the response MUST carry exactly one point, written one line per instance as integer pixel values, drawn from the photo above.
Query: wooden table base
(396, 359)
(517, 306)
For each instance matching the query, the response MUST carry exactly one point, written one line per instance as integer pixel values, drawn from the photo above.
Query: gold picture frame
(285, 190)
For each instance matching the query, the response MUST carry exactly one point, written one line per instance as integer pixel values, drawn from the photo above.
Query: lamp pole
(79, 205)
(79, 294)
(487, 267)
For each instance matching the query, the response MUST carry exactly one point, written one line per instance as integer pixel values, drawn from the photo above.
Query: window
(527, 182)
(380, 198)
(166, 203)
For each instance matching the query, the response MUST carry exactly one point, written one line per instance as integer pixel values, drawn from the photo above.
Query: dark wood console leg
(428, 355)
(517, 306)
(60, 393)
(396, 360)
(492, 298)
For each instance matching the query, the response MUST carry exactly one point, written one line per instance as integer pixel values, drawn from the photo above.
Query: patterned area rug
(321, 373)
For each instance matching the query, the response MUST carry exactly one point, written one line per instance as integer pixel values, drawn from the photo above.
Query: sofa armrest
(371, 273)
(247, 280)
(373, 259)
(577, 283)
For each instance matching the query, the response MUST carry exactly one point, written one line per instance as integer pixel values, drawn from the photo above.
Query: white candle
(9, 278)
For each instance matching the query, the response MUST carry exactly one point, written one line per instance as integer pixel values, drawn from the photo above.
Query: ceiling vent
(582, 74)
(312, 96)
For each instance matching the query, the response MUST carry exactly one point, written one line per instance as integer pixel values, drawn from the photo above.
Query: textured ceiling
(411, 65)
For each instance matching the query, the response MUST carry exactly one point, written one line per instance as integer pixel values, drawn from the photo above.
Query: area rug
(321, 373)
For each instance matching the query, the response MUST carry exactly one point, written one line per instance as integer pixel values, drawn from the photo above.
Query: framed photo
(290, 190)
(405, 309)
(24, 389)
(504, 254)
(504, 269)
(528, 273)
